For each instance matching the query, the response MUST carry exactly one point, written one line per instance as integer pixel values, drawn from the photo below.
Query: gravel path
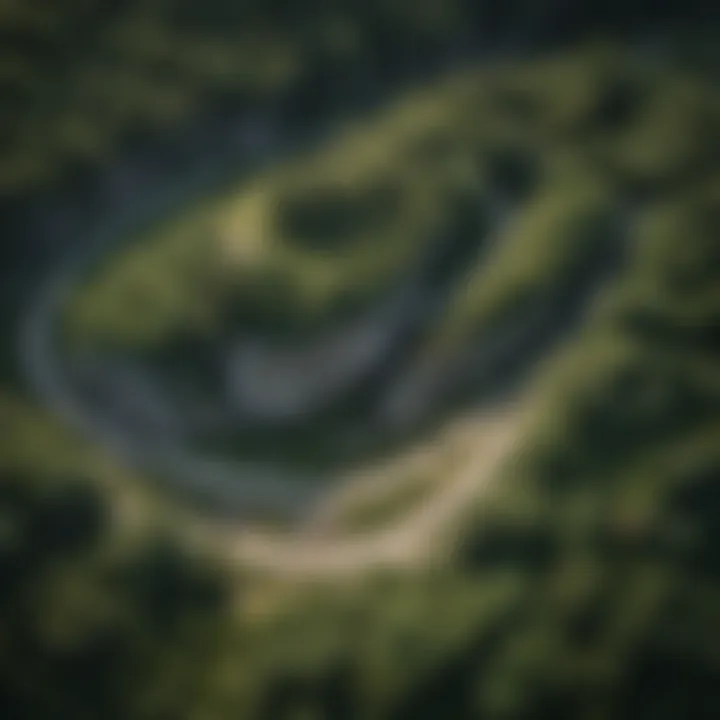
(420, 536)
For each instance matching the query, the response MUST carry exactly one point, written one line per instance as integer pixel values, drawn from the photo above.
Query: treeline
(81, 80)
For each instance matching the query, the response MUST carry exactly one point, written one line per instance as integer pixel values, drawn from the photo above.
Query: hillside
(406, 408)
(429, 253)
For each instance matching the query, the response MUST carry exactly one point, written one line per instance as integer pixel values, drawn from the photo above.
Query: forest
(359, 360)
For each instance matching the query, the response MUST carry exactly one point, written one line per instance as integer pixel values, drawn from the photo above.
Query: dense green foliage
(104, 611)
(83, 80)
(80, 80)
(90, 630)
(587, 586)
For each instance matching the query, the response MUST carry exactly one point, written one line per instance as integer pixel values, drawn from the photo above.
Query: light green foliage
(540, 248)
(164, 282)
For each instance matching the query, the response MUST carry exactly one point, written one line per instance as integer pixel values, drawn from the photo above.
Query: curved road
(239, 487)
(422, 535)
(244, 486)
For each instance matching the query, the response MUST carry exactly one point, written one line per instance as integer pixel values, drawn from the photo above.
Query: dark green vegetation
(87, 632)
(85, 79)
(102, 613)
(82, 79)
(588, 588)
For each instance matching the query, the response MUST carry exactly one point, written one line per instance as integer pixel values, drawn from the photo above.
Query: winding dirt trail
(421, 536)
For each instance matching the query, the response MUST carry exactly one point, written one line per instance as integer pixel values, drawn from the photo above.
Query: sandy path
(414, 540)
